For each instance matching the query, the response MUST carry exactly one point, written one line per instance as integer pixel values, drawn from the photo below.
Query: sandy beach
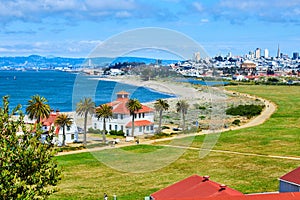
(179, 89)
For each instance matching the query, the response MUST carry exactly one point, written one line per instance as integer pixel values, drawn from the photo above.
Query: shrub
(91, 130)
(236, 122)
(165, 127)
(201, 107)
(245, 110)
(117, 133)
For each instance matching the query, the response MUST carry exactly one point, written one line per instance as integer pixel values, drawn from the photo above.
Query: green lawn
(84, 177)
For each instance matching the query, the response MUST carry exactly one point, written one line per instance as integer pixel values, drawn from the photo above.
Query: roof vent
(205, 178)
(223, 187)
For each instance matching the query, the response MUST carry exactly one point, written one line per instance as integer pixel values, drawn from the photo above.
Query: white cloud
(276, 11)
(204, 20)
(80, 48)
(123, 14)
(198, 6)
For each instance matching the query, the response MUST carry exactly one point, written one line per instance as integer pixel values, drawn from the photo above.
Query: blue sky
(74, 28)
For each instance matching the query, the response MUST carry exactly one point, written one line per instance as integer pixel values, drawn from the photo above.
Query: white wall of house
(119, 122)
(71, 133)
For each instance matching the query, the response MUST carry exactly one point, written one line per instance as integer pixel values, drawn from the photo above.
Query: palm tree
(133, 105)
(160, 105)
(63, 120)
(182, 107)
(104, 111)
(83, 108)
(38, 108)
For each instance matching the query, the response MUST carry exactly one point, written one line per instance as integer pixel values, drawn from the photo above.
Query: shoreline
(178, 90)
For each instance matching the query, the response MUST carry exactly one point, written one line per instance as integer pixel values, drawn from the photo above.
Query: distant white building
(122, 120)
(257, 53)
(48, 125)
(266, 53)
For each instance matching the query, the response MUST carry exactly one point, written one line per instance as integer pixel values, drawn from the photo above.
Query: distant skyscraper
(197, 56)
(278, 52)
(251, 54)
(296, 55)
(229, 55)
(257, 53)
(266, 53)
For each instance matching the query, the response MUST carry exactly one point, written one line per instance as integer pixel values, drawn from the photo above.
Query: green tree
(27, 166)
(38, 108)
(63, 120)
(161, 105)
(133, 105)
(104, 112)
(182, 107)
(83, 108)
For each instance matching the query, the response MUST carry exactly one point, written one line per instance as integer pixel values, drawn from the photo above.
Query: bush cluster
(96, 131)
(245, 110)
(117, 133)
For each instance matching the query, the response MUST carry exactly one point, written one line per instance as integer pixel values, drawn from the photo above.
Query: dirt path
(270, 108)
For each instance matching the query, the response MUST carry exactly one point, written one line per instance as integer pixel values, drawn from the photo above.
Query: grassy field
(84, 177)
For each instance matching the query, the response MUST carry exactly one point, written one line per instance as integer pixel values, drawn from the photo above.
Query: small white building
(122, 120)
(71, 132)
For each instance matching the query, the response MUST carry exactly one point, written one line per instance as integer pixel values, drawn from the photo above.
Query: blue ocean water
(58, 88)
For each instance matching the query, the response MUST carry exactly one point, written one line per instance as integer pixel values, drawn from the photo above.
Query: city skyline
(74, 28)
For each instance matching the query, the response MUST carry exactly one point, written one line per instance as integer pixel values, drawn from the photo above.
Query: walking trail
(270, 108)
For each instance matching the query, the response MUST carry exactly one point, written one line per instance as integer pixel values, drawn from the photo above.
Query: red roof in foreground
(140, 123)
(194, 187)
(293, 176)
(275, 196)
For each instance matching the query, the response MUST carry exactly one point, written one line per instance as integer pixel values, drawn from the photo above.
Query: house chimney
(223, 187)
(205, 178)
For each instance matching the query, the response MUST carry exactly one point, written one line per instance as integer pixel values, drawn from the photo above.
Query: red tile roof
(293, 176)
(119, 106)
(275, 196)
(122, 92)
(140, 123)
(194, 187)
(50, 121)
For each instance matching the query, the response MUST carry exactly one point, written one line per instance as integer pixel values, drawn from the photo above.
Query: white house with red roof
(122, 120)
(48, 125)
(290, 182)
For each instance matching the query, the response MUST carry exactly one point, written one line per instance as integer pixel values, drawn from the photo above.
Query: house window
(116, 127)
(95, 125)
(122, 128)
(141, 129)
(115, 116)
(147, 128)
(135, 116)
(127, 132)
(110, 127)
(140, 115)
(68, 128)
(72, 136)
(143, 115)
(151, 128)
(121, 116)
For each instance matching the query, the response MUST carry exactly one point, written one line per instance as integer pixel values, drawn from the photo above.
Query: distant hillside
(36, 61)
